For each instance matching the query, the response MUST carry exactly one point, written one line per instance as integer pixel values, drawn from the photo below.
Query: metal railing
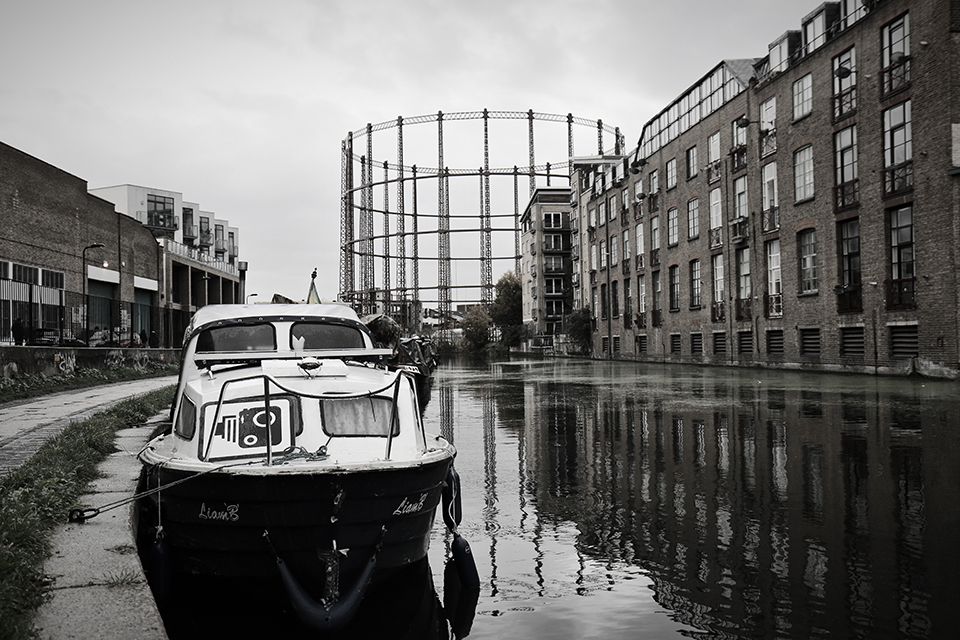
(49, 317)
(898, 178)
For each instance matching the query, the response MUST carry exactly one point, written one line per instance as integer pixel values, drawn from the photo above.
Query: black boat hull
(237, 525)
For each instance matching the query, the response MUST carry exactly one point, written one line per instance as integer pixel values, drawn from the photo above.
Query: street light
(83, 276)
(250, 295)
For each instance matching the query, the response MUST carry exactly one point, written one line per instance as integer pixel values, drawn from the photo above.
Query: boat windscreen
(255, 337)
(368, 416)
(317, 335)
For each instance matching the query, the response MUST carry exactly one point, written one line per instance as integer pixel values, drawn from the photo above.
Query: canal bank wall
(51, 361)
(915, 366)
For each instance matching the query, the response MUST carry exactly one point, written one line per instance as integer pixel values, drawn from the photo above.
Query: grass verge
(37, 497)
(25, 386)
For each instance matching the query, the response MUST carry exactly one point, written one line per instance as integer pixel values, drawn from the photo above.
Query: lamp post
(250, 295)
(83, 276)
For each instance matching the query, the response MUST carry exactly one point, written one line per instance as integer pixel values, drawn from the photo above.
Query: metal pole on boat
(267, 420)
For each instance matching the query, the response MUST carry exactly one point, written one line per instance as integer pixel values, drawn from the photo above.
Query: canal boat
(294, 450)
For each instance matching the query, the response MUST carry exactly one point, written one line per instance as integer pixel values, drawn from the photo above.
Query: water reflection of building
(775, 212)
(794, 511)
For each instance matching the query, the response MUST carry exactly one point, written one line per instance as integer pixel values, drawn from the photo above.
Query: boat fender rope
(332, 616)
(452, 507)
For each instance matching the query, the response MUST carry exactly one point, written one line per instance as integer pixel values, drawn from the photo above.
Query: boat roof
(214, 312)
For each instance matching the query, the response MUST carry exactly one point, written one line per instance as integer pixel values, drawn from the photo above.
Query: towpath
(26, 424)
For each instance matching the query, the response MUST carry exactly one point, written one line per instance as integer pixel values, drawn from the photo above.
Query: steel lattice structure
(407, 225)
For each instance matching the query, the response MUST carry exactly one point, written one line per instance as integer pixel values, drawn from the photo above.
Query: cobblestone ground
(25, 425)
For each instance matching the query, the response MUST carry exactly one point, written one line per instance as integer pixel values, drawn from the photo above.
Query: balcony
(637, 210)
(654, 200)
(716, 237)
(770, 220)
(849, 298)
(654, 258)
(744, 308)
(639, 261)
(773, 305)
(900, 294)
(189, 231)
(739, 230)
(768, 142)
(233, 250)
(846, 195)
(205, 237)
(898, 179)
(161, 221)
(642, 320)
(220, 245)
(713, 171)
(717, 312)
(896, 76)
(844, 103)
(738, 158)
(625, 266)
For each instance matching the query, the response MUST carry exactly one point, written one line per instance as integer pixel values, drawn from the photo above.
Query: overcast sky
(242, 105)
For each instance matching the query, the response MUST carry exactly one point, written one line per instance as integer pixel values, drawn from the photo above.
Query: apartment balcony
(844, 103)
(642, 320)
(744, 308)
(900, 294)
(233, 250)
(717, 312)
(159, 221)
(654, 258)
(654, 200)
(713, 171)
(898, 179)
(220, 245)
(189, 231)
(849, 298)
(639, 261)
(739, 230)
(637, 210)
(773, 305)
(770, 220)
(205, 238)
(896, 76)
(768, 142)
(716, 237)
(846, 195)
(738, 158)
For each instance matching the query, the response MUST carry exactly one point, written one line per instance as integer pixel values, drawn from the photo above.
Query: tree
(476, 329)
(507, 309)
(580, 329)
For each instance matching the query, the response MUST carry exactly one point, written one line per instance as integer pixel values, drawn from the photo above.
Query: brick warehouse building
(798, 210)
(77, 272)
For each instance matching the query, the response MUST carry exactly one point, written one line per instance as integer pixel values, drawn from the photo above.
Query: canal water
(630, 500)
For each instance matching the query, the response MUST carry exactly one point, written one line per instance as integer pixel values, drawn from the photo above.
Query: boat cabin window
(186, 420)
(317, 335)
(254, 337)
(368, 416)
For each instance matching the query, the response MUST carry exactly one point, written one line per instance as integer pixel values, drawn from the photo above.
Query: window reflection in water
(789, 505)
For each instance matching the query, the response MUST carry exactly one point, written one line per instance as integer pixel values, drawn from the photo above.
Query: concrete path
(98, 588)
(26, 424)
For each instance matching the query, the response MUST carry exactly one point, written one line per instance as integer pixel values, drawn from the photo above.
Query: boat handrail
(268, 379)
